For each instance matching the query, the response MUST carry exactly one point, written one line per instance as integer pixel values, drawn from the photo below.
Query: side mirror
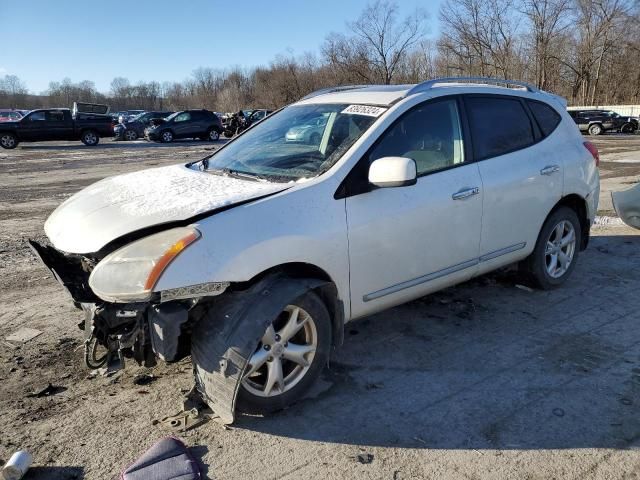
(393, 172)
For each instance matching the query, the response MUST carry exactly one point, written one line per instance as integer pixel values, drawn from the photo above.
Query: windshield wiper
(237, 174)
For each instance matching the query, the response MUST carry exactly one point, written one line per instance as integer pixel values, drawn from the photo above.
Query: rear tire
(212, 135)
(556, 252)
(8, 141)
(596, 129)
(90, 138)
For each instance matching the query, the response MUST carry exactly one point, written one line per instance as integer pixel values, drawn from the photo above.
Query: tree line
(587, 51)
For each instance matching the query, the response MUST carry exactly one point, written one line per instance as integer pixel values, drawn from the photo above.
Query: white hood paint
(115, 206)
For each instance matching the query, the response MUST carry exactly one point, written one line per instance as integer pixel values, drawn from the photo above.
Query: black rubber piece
(229, 332)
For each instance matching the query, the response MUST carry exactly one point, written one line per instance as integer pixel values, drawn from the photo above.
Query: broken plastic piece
(627, 205)
(169, 459)
(23, 335)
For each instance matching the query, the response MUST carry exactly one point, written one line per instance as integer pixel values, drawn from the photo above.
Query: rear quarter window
(499, 125)
(546, 117)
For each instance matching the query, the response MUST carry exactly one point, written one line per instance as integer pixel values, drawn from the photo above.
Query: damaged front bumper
(219, 331)
(143, 331)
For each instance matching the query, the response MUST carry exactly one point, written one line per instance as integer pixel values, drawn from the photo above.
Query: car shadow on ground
(55, 473)
(489, 364)
(108, 144)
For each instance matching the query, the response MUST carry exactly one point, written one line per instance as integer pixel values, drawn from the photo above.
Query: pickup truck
(82, 123)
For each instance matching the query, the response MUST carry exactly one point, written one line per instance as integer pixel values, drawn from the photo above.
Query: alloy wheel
(560, 249)
(284, 354)
(90, 138)
(214, 135)
(130, 135)
(7, 141)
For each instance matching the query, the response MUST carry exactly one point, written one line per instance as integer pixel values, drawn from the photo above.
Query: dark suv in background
(134, 128)
(596, 122)
(201, 124)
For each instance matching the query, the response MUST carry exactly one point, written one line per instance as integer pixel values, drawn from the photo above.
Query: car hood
(116, 206)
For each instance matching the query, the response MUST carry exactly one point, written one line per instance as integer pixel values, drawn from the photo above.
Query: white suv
(253, 258)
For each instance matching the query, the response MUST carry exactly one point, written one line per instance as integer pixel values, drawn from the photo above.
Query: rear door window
(37, 117)
(547, 118)
(55, 116)
(499, 125)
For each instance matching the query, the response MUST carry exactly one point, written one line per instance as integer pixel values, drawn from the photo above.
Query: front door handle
(550, 169)
(466, 193)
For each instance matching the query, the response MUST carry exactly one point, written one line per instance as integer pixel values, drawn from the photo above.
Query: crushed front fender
(228, 333)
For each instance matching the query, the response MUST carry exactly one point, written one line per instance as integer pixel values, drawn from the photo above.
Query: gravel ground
(484, 380)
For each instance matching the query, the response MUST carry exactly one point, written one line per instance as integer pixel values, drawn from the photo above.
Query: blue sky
(144, 40)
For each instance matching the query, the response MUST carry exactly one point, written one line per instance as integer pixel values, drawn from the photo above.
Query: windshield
(298, 142)
(140, 117)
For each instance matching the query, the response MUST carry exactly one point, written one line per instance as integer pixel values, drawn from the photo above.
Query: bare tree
(13, 90)
(378, 42)
(548, 20)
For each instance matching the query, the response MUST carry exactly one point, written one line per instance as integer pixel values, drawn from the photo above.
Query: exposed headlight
(130, 273)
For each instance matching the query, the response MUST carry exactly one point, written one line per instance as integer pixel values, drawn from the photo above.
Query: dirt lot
(485, 380)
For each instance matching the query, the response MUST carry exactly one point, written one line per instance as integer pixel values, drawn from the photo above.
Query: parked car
(310, 132)
(134, 128)
(10, 115)
(253, 258)
(596, 122)
(56, 124)
(201, 124)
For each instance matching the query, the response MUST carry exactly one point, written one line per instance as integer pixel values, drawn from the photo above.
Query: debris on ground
(374, 386)
(47, 391)
(524, 287)
(144, 379)
(194, 412)
(365, 458)
(166, 460)
(23, 335)
(17, 465)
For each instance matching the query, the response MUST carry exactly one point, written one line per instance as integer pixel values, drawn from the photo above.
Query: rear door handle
(466, 193)
(550, 169)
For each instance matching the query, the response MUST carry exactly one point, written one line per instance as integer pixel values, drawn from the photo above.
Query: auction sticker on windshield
(368, 110)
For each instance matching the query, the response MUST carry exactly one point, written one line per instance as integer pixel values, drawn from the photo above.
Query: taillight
(593, 150)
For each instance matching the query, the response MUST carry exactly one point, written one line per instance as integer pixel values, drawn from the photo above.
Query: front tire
(627, 128)
(130, 135)
(289, 358)
(90, 138)
(8, 141)
(556, 252)
(166, 136)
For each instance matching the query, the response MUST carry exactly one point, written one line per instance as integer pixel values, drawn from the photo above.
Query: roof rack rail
(324, 91)
(429, 84)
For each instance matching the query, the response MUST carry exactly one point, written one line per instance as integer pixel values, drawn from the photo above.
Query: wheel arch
(328, 291)
(579, 205)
